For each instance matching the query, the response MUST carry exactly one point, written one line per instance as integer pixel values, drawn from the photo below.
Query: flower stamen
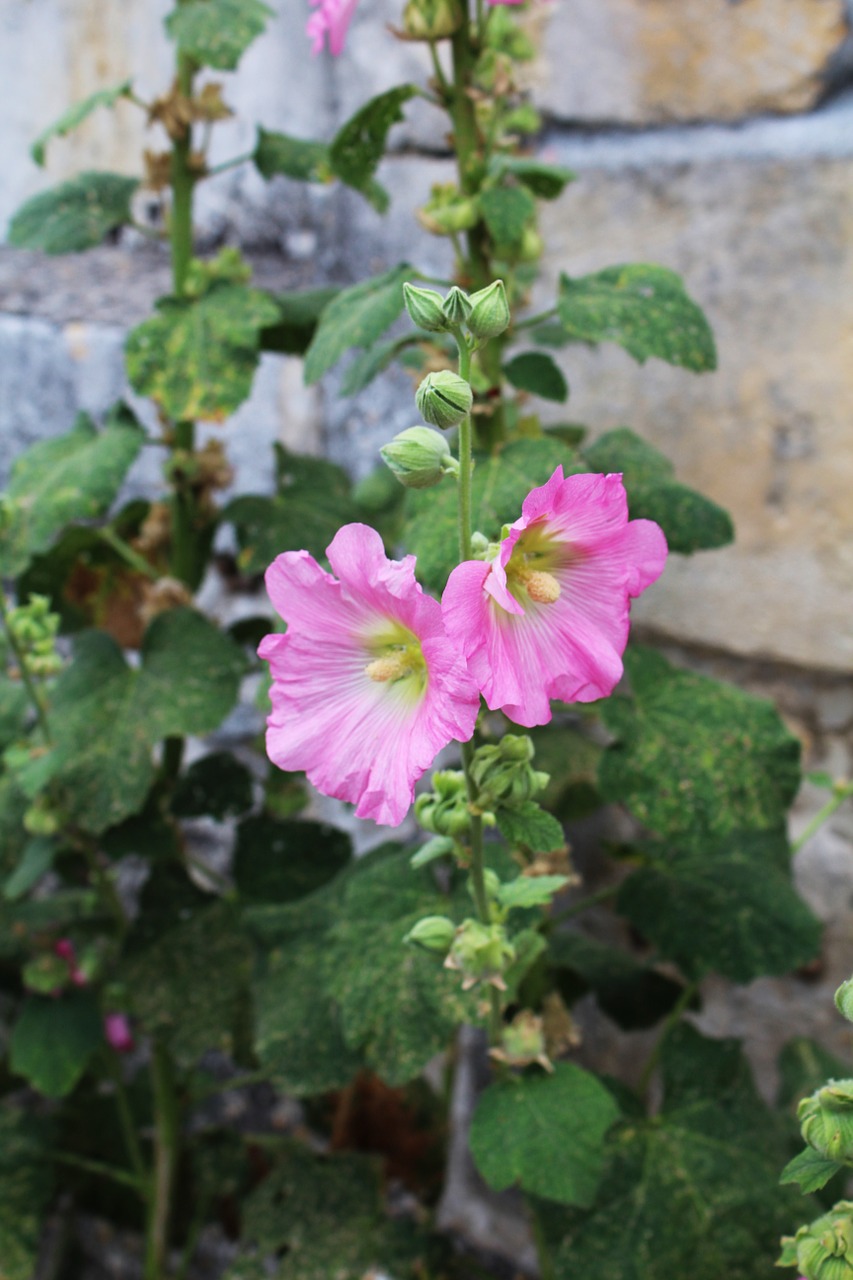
(541, 587)
(390, 667)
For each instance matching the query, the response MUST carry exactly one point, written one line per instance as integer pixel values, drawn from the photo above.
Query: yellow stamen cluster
(541, 587)
(391, 666)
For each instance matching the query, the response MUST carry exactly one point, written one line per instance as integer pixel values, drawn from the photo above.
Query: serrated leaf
(356, 318)
(506, 212)
(106, 717)
(531, 891)
(216, 33)
(531, 826)
(545, 1133)
(216, 786)
(75, 476)
(690, 521)
(26, 1185)
(313, 501)
(299, 315)
(694, 1190)
(725, 905)
(695, 755)
(545, 180)
(359, 145)
(53, 1040)
(810, 1171)
(280, 154)
(197, 357)
(500, 485)
(644, 309)
(75, 115)
(277, 861)
(535, 372)
(74, 216)
(633, 994)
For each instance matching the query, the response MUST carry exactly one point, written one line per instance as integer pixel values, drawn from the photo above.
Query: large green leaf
(724, 905)
(359, 145)
(506, 212)
(633, 994)
(544, 1132)
(644, 309)
(76, 215)
(690, 521)
(531, 826)
(216, 33)
(71, 477)
(299, 315)
(500, 485)
(75, 115)
(25, 1190)
(356, 318)
(53, 1040)
(537, 372)
(312, 502)
(216, 786)
(278, 154)
(106, 716)
(694, 755)
(197, 357)
(694, 1191)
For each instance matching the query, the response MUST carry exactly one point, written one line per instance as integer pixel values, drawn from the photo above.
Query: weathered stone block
(650, 61)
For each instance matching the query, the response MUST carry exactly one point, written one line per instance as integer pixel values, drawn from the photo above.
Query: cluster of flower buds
(484, 314)
(431, 19)
(444, 810)
(503, 773)
(823, 1250)
(826, 1120)
(33, 630)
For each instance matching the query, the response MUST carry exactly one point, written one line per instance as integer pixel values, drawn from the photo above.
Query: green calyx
(844, 999)
(444, 399)
(823, 1250)
(419, 457)
(504, 775)
(433, 933)
(826, 1120)
(444, 810)
(490, 314)
(425, 308)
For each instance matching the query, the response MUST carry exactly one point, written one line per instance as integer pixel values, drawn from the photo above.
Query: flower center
(396, 659)
(530, 569)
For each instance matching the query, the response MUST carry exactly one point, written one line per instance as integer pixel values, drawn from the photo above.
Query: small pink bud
(64, 948)
(118, 1033)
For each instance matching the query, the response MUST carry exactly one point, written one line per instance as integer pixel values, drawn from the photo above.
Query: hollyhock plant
(547, 616)
(330, 20)
(367, 688)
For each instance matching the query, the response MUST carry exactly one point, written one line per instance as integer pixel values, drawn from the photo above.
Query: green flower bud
(490, 313)
(844, 999)
(448, 211)
(419, 458)
(826, 1120)
(444, 399)
(431, 19)
(457, 305)
(823, 1250)
(504, 775)
(481, 953)
(523, 1042)
(532, 245)
(444, 810)
(425, 308)
(433, 933)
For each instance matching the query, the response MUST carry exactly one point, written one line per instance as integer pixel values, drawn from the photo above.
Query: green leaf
(545, 180)
(197, 357)
(535, 372)
(106, 717)
(436, 847)
(216, 33)
(633, 994)
(356, 318)
(804, 1066)
(644, 309)
(694, 755)
(690, 521)
(299, 315)
(71, 477)
(545, 1133)
(190, 985)
(506, 212)
(25, 1190)
(15, 710)
(36, 860)
(76, 215)
(810, 1171)
(216, 786)
(531, 826)
(724, 905)
(531, 891)
(53, 1040)
(74, 116)
(359, 145)
(361, 372)
(279, 154)
(278, 861)
(313, 501)
(500, 485)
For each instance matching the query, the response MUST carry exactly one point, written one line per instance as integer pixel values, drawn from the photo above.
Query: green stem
(184, 557)
(128, 1128)
(543, 1252)
(183, 181)
(127, 553)
(173, 754)
(682, 1003)
(165, 1162)
(103, 1169)
(466, 455)
(26, 676)
(225, 165)
(577, 908)
(841, 793)
(529, 322)
(440, 77)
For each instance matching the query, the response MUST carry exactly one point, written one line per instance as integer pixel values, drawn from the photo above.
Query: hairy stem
(165, 1162)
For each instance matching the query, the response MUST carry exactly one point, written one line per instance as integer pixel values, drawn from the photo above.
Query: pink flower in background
(331, 19)
(366, 688)
(548, 616)
(117, 1032)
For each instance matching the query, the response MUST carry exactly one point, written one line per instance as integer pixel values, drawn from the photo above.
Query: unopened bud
(419, 458)
(844, 999)
(448, 212)
(425, 308)
(523, 1042)
(823, 1250)
(826, 1120)
(444, 810)
(457, 305)
(490, 313)
(504, 775)
(431, 19)
(481, 952)
(444, 399)
(434, 933)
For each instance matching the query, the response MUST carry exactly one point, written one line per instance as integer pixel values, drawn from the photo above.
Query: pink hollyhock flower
(331, 19)
(367, 688)
(117, 1032)
(548, 616)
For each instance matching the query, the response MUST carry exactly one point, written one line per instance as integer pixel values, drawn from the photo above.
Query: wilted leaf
(74, 116)
(359, 145)
(545, 180)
